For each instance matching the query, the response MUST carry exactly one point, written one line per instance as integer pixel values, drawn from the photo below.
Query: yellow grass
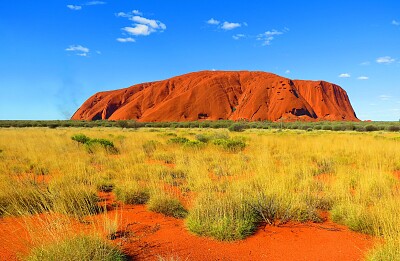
(287, 175)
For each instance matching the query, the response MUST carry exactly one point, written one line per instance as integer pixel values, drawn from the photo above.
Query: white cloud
(363, 78)
(365, 63)
(126, 40)
(229, 26)
(268, 36)
(213, 21)
(95, 3)
(384, 97)
(141, 27)
(287, 71)
(385, 59)
(152, 23)
(396, 23)
(238, 36)
(344, 75)
(74, 7)
(78, 50)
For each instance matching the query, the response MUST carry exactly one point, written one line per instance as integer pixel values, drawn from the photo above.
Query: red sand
(151, 235)
(209, 95)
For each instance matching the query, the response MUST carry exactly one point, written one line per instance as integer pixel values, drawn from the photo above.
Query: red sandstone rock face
(215, 95)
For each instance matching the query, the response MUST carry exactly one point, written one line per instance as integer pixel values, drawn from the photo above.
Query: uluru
(221, 95)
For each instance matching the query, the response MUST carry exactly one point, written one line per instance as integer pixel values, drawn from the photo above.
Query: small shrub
(81, 138)
(370, 128)
(393, 128)
(327, 127)
(80, 247)
(195, 144)
(230, 145)
(178, 140)
(167, 205)
(91, 143)
(237, 127)
(202, 138)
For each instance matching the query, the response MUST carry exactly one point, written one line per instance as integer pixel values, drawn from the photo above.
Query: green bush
(237, 127)
(194, 144)
(167, 205)
(178, 140)
(80, 247)
(91, 143)
(371, 128)
(230, 145)
(81, 138)
(393, 128)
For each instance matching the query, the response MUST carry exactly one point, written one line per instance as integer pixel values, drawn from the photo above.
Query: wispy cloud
(365, 63)
(227, 26)
(385, 59)
(384, 97)
(126, 40)
(396, 23)
(141, 26)
(79, 7)
(287, 71)
(129, 15)
(74, 7)
(363, 78)
(270, 35)
(213, 21)
(96, 3)
(238, 36)
(78, 50)
(344, 75)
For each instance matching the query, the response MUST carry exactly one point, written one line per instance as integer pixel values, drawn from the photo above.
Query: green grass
(130, 192)
(78, 248)
(166, 205)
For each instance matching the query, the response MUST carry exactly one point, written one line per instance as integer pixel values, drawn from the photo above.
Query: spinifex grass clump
(77, 200)
(166, 205)
(224, 217)
(80, 247)
(24, 198)
(149, 147)
(130, 192)
(91, 144)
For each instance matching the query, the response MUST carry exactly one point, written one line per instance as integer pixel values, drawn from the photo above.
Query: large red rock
(215, 95)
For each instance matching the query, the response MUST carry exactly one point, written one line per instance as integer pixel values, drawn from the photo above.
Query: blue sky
(55, 54)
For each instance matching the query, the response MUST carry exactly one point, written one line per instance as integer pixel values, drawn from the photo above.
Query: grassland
(224, 184)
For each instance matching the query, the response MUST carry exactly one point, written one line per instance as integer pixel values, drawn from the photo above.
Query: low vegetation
(224, 184)
(80, 247)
